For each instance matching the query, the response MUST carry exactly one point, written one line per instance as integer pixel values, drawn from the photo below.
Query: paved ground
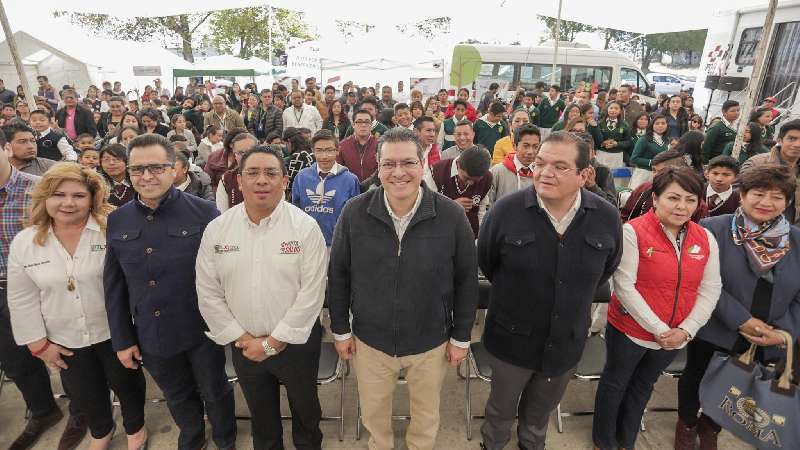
(452, 435)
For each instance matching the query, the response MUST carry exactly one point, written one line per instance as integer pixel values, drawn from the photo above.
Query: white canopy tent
(230, 68)
(79, 61)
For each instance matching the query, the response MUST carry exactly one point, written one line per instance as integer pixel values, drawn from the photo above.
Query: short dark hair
(324, 135)
(397, 135)
(768, 176)
(494, 86)
(686, 177)
(728, 104)
(460, 102)
(497, 107)
(724, 162)
(181, 156)
(422, 120)
(227, 142)
(264, 150)
(475, 160)
(44, 112)
(84, 135)
(669, 155)
(329, 87)
(148, 139)
(564, 137)
(371, 100)
(586, 137)
(792, 125)
(527, 130)
(177, 138)
(363, 111)
(464, 123)
(399, 106)
(556, 87)
(15, 126)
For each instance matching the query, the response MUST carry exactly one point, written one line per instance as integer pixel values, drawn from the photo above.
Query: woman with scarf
(760, 291)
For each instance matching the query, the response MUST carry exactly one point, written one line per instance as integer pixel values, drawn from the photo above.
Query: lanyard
(296, 117)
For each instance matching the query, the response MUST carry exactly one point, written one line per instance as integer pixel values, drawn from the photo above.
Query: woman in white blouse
(665, 289)
(55, 297)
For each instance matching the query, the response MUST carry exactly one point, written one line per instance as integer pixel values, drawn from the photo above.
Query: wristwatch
(268, 349)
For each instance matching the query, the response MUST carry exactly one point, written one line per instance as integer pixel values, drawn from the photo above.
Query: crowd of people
(154, 232)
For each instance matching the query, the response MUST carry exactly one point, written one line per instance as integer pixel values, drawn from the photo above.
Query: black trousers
(91, 371)
(625, 387)
(28, 372)
(698, 355)
(296, 368)
(194, 382)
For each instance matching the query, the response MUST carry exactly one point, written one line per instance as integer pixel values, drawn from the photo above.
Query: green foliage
(466, 65)
(685, 40)
(248, 30)
(567, 29)
(428, 28)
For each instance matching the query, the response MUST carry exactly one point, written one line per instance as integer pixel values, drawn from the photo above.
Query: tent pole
(557, 39)
(755, 80)
(12, 47)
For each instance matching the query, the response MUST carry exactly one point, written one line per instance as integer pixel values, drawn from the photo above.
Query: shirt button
(148, 250)
(519, 242)
(184, 232)
(151, 283)
(555, 316)
(157, 313)
(124, 236)
(549, 345)
(149, 218)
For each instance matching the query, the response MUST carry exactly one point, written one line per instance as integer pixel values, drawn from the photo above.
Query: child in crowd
(721, 196)
(84, 142)
(50, 142)
(212, 140)
(90, 158)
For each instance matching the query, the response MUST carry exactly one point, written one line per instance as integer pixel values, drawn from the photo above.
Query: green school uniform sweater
(487, 135)
(644, 152)
(549, 113)
(377, 130)
(716, 138)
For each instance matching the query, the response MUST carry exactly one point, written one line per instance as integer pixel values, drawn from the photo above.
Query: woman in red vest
(665, 289)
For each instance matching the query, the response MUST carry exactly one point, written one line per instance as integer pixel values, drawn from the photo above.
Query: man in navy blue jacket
(151, 301)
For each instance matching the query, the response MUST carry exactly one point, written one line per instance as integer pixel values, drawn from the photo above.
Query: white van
(511, 66)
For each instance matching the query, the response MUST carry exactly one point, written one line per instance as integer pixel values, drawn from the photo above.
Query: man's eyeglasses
(557, 170)
(325, 151)
(254, 174)
(388, 166)
(154, 169)
(362, 122)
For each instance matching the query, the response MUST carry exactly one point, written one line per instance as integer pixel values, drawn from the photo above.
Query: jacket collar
(165, 203)
(426, 210)
(588, 201)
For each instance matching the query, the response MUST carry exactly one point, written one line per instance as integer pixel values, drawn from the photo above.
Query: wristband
(41, 350)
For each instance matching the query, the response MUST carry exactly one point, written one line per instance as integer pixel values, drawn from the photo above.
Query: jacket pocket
(518, 250)
(594, 253)
(127, 245)
(513, 325)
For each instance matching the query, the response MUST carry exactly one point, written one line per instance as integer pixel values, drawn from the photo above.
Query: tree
(351, 28)
(178, 28)
(248, 30)
(567, 29)
(428, 28)
(693, 40)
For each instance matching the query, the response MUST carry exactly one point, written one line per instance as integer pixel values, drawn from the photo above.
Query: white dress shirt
(38, 299)
(266, 279)
(307, 117)
(723, 196)
(625, 289)
(562, 225)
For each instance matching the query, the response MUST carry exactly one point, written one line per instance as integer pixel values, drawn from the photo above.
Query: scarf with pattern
(764, 244)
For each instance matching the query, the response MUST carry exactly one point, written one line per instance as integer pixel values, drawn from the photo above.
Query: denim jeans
(189, 380)
(624, 390)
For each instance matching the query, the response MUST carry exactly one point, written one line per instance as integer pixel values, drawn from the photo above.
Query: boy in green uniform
(371, 105)
(492, 126)
(529, 107)
(550, 109)
(449, 124)
(721, 132)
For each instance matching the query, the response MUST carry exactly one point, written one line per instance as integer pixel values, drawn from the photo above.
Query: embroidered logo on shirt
(290, 247)
(694, 252)
(97, 248)
(649, 252)
(225, 248)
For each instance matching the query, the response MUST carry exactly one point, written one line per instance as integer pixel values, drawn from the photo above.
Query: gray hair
(397, 135)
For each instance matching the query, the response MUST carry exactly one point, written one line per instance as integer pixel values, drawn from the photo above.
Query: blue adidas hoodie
(324, 199)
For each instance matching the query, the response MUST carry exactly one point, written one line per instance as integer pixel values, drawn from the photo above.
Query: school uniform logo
(290, 247)
(225, 248)
(97, 248)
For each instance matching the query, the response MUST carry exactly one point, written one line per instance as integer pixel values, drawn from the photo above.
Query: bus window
(746, 54)
(530, 74)
(591, 75)
(497, 72)
(635, 79)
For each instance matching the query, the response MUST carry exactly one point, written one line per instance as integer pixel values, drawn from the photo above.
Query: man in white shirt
(271, 317)
(300, 115)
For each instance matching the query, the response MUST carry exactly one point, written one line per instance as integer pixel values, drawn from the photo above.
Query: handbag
(751, 400)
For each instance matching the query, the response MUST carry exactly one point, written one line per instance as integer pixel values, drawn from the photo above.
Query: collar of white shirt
(409, 214)
(91, 225)
(518, 165)
(185, 184)
(267, 222)
(562, 225)
(334, 170)
(731, 125)
(723, 196)
(454, 167)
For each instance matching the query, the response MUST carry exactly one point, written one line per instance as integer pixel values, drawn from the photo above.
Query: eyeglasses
(325, 151)
(254, 174)
(362, 122)
(388, 166)
(558, 171)
(154, 169)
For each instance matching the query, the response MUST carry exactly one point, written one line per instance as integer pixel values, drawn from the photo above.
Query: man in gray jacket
(403, 263)
(516, 170)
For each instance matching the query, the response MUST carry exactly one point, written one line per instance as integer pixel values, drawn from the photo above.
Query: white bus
(729, 54)
(512, 67)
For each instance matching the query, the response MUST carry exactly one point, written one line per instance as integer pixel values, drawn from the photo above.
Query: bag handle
(785, 381)
(747, 357)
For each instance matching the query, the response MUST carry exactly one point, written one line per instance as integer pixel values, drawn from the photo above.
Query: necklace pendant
(70, 284)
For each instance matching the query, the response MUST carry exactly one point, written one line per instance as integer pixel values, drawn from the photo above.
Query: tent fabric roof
(181, 73)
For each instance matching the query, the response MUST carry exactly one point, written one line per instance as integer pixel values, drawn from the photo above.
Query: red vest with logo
(668, 286)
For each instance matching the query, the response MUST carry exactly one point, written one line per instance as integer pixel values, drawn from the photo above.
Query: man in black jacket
(403, 263)
(546, 250)
(269, 118)
(82, 119)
